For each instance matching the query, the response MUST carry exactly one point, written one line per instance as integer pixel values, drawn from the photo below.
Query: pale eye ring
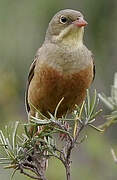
(63, 19)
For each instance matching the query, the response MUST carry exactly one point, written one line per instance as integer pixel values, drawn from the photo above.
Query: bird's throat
(71, 37)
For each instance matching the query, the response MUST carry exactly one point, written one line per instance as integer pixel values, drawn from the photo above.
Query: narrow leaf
(58, 105)
(96, 128)
(14, 134)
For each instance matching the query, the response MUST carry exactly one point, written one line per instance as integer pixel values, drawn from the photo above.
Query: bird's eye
(63, 19)
(78, 17)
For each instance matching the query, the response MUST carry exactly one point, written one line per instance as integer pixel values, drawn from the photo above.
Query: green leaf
(3, 141)
(96, 128)
(13, 173)
(9, 146)
(58, 105)
(94, 115)
(93, 103)
(39, 121)
(60, 130)
(26, 131)
(88, 102)
(39, 113)
(106, 101)
(9, 162)
(51, 116)
(14, 135)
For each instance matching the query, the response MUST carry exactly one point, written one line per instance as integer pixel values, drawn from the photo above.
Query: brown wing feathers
(30, 76)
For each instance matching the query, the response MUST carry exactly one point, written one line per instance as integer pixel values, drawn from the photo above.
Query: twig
(70, 146)
(33, 169)
(31, 176)
(29, 168)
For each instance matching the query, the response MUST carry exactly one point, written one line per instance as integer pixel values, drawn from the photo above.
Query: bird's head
(66, 27)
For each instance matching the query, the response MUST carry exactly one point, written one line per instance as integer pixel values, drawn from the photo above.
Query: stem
(68, 174)
(31, 176)
(69, 146)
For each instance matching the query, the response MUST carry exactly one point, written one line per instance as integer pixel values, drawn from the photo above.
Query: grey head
(64, 23)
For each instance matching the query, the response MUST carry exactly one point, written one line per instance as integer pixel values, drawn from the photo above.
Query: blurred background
(22, 29)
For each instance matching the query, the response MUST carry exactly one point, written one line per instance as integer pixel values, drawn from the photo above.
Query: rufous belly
(49, 86)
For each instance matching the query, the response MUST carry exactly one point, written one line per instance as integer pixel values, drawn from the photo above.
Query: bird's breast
(66, 59)
(49, 86)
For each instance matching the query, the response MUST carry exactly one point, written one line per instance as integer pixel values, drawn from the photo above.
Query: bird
(63, 67)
